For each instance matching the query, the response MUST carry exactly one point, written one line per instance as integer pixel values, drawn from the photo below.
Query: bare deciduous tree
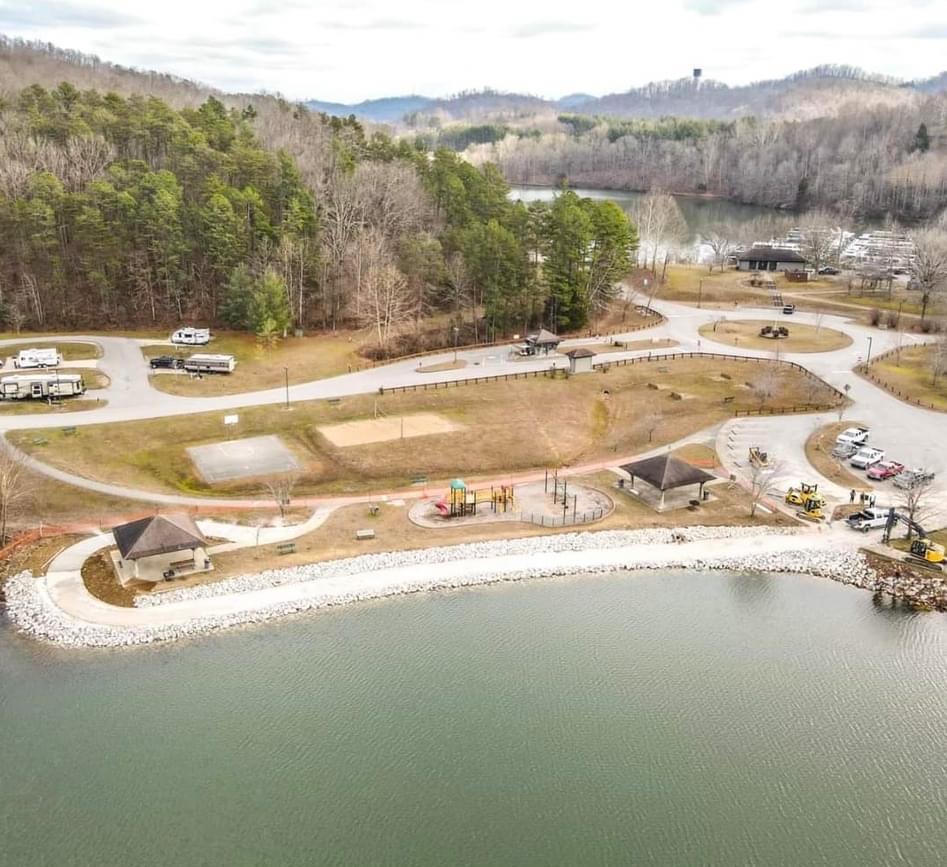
(761, 482)
(13, 488)
(387, 304)
(929, 270)
(280, 488)
(915, 502)
(767, 383)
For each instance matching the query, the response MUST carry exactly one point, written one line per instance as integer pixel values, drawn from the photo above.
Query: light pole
(898, 324)
(286, 375)
(868, 360)
(456, 333)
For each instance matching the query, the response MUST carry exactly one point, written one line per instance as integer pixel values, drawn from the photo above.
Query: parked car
(913, 477)
(885, 470)
(868, 519)
(828, 269)
(789, 309)
(844, 450)
(166, 362)
(855, 436)
(867, 457)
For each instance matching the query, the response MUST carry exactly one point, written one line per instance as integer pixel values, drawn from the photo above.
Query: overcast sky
(348, 50)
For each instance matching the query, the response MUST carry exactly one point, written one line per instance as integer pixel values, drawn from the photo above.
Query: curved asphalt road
(909, 434)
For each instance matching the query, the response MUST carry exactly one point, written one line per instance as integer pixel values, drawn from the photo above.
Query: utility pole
(700, 292)
(868, 360)
(286, 375)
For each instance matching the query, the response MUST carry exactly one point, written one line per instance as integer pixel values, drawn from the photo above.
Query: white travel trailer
(210, 363)
(191, 336)
(21, 386)
(32, 358)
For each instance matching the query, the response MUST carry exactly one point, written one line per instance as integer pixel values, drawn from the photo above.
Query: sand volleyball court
(379, 430)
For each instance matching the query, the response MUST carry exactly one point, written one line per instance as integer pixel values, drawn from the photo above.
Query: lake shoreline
(266, 597)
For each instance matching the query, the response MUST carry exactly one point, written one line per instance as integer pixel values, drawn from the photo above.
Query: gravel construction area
(279, 593)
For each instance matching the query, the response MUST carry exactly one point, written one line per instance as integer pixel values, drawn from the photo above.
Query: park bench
(419, 480)
(40, 441)
(286, 548)
(69, 431)
(362, 535)
(728, 399)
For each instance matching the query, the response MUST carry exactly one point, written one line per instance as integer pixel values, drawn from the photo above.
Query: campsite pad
(238, 459)
(379, 430)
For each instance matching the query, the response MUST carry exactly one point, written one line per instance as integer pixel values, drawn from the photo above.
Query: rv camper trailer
(191, 336)
(43, 386)
(32, 358)
(210, 363)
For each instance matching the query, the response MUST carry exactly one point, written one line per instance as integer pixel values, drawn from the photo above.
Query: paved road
(909, 434)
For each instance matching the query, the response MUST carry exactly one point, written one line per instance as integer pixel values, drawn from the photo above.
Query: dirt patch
(819, 447)
(460, 364)
(380, 430)
(100, 580)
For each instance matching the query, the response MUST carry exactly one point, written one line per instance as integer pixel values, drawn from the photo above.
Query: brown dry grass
(506, 427)
(907, 375)
(68, 351)
(819, 447)
(36, 555)
(306, 358)
(802, 338)
(395, 532)
(460, 364)
(33, 407)
(627, 346)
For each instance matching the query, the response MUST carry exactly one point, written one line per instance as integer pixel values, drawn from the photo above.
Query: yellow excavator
(808, 498)
(922, 548)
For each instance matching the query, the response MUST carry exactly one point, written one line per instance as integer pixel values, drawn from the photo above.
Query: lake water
(702, 215)
(646, 719)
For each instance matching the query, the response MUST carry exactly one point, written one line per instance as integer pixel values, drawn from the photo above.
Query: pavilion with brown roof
(159, 547)
(666, 473)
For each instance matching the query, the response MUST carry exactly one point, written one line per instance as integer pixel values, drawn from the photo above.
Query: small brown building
(770, 259)
(666, 473)
(162, 546)
(580, 360)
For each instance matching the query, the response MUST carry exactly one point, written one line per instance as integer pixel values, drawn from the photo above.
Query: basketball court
(240, 459)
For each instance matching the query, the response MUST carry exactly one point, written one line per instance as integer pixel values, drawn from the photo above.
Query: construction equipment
(931, 554)
(758, 457)
(807, 496)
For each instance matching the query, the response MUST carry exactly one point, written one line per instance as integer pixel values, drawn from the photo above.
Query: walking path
(910, 434)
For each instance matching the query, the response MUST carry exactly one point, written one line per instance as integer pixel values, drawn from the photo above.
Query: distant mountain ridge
(810, 93)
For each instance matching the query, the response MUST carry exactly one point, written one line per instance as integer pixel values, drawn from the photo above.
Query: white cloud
(348, 50)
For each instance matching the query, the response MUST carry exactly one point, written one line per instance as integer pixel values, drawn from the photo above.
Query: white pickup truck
(853, 436)
(868, 519)
(867, 457)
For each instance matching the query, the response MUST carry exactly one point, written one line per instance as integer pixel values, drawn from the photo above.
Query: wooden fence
(865, 371)
(551, 372)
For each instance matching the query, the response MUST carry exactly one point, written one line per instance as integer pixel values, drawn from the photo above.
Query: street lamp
(286, 375)
(898, 325)
(456, 333)
(868, 360)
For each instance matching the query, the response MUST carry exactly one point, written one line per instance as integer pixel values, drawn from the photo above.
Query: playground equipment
(932, 554)
(462, 502)
(808, 498)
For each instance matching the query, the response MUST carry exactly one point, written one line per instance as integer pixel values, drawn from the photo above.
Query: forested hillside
(121, 210)
(869, 163)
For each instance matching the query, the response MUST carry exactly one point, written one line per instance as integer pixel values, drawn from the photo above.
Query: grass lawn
(908, 375)
(819, 447)
(69, 351)
(34, 407)
(802, 338)
(395, 532)
(307, 358)
(505, 427)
